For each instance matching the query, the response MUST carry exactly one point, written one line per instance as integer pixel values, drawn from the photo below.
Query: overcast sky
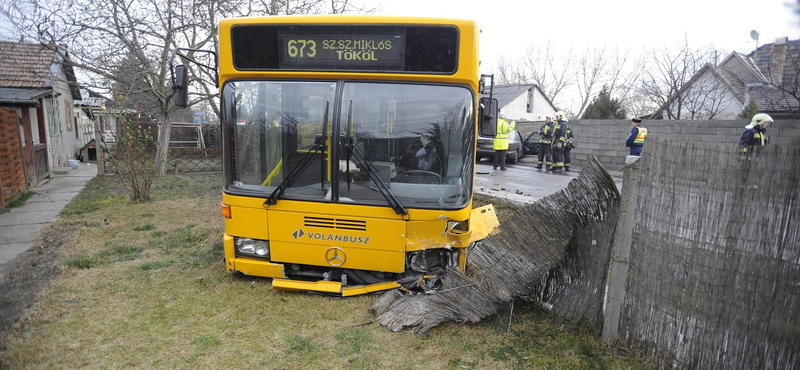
(508, 26)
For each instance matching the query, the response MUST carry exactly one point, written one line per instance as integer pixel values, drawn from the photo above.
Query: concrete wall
(605, 139)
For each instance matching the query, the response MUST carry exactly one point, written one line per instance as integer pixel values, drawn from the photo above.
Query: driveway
(522, 183)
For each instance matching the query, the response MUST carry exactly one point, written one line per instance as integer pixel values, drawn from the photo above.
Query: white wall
(708, 98)
(60, 125)
(518, 108)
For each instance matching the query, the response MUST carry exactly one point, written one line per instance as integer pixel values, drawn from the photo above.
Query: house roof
(784, 55)
(773, 101)
(21, 96)
(93, 142)
(505, 94)
(750, 76)
(92, 99)
(27, 65)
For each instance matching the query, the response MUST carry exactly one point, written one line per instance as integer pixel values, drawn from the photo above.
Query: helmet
(560, 114)
(760, 119)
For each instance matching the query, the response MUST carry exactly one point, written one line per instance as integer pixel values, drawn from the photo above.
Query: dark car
(515, 151)
(530, 146)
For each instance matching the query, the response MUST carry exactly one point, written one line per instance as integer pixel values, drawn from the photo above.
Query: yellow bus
(349, 150)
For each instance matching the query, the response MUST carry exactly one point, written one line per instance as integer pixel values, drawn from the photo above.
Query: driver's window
(403, 134)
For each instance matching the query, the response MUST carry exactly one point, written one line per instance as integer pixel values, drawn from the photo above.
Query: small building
(89, 151)
(37, 87)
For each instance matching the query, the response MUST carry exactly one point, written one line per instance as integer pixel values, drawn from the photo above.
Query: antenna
(754, 36)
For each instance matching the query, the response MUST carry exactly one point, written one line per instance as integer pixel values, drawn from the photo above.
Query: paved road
(525, 178)
(19, 227)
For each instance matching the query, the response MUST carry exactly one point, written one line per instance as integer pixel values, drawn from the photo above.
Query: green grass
(146, 227)
(81, 261)
(19, 202)
(153, 265)
(136, 296)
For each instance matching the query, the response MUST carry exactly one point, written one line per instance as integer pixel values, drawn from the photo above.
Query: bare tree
(707, 96)
(509, 71)
(590, 70)
(670, 71)
(141, 34)
(549, 68)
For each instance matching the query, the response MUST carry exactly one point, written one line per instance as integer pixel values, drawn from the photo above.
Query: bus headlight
(261, 248)
(252, 247)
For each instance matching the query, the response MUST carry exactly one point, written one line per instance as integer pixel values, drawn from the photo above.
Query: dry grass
(144, 286)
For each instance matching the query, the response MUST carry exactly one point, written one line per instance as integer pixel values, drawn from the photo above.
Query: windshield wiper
(384, 190)
(319, 145)
(373, 175)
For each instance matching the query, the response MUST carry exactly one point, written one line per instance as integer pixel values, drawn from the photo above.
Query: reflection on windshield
(416, 139)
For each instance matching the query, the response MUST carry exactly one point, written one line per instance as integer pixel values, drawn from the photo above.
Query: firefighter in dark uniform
(559, 133)
(568, 145)
(755, 134)
(636, 138)
(545, 143)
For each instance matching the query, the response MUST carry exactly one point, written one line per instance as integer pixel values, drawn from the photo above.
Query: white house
(523, 102)
(768, 76)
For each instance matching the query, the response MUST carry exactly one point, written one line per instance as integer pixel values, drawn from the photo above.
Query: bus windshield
(417, 139)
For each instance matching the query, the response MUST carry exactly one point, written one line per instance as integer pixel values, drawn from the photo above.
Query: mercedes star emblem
(335, 256)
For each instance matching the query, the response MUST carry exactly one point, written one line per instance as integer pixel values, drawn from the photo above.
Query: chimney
(777, 60)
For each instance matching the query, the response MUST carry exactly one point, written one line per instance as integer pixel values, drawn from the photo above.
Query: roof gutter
(25, 102)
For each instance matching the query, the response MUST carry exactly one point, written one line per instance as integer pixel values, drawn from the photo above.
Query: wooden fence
(714, 277)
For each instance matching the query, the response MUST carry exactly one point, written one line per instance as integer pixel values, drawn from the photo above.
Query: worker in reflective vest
(636, 138)
(545, 142)
(755, 134)
(559, 137)
(500, 143)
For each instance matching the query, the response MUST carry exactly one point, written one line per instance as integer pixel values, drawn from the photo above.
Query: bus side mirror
(181, 86)
(487, 117)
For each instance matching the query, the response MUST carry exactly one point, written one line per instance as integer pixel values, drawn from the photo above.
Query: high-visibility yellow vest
(501, 140)
(760, 137)
(640, 136)
(547, 131)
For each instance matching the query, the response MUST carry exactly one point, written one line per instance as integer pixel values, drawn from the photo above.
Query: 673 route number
(302, 48)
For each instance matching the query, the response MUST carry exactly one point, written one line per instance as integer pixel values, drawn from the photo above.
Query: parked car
(530, 146)
(515, 152)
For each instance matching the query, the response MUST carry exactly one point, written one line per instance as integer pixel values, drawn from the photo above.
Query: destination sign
(341, 47)
(363, 52)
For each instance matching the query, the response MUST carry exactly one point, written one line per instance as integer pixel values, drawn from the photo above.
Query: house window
(530, 102)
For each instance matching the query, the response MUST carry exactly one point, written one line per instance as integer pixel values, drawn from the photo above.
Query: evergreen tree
(604, 107)
(750, 110)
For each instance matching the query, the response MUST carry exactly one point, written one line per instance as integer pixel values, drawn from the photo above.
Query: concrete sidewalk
(19, 227)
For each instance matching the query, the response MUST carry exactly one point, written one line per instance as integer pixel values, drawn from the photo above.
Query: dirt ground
(32, 271)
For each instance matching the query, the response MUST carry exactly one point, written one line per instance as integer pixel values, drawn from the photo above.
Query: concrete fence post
(621, 248)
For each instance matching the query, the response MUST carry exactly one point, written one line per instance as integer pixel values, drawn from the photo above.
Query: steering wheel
(420, 173)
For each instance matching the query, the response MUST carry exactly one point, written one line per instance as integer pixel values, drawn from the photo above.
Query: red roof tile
(25, 65)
